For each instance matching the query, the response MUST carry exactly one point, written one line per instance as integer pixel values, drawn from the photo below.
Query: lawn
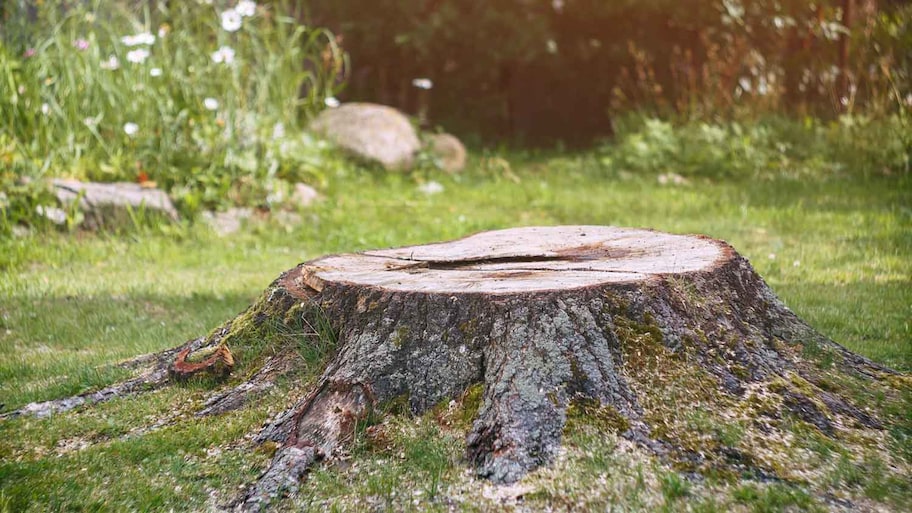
(835, 246)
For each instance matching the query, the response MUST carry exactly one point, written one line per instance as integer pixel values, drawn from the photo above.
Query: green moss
(588, 412)
(468, 327)
(774, 498)
(673, 486)
(552, 398)
(692, 298)
(470, 403)
(801, 384)
(638, 339)
(398, 405)
(740, 371)
(823, 356)
(724, 433)
(400, 336)
(615, 304)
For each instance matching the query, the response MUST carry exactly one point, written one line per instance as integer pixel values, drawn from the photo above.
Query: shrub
(202, 100)
(774, 146)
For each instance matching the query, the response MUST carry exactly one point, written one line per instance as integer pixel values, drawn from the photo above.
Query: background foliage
(162, 92)
(543, 70)
(213, 109)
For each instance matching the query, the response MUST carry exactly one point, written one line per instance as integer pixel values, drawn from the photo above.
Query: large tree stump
(625, 324)
(541, 316)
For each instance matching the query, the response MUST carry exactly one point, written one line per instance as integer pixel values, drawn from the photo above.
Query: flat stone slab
(102, 202)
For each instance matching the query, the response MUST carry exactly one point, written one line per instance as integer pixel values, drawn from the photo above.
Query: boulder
(449, 151)
(304, 195)
(372, 132)
(107, 204)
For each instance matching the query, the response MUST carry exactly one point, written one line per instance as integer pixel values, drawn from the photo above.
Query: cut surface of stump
(642, 330)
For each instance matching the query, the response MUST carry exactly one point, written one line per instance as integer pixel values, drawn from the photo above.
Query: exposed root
(152, 378)
(288, 467)
(260, 382)
(319, 425)
(218, 364)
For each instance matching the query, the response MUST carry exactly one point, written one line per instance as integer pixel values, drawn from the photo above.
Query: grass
(836, 247)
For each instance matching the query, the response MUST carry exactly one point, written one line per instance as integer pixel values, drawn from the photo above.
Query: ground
(834, 247)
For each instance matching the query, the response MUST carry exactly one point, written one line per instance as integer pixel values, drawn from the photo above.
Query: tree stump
(623, 324)
(541, 316)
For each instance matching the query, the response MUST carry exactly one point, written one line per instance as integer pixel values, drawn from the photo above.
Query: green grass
(835, 247)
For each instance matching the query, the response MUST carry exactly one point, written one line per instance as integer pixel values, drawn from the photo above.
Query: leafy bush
(201, 100)
(774, 146)
(560, 70)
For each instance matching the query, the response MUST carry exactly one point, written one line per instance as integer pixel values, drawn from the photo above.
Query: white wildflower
(112, 63)
(745, 84)
(45, 109)
(211, 103)
(331, 102)
(557, 5)
(246, 8)
(551, 46)
(137, 56)
(278, 131)
(431, 188)
(143, 38)
(422, 83)
(155, 72)
(130, 128)
(231, 20)
(225, 54)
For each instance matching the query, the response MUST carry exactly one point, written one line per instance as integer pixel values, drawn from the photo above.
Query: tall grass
(175, 95)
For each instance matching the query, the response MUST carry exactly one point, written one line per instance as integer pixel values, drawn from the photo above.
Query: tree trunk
(541, 317)
(551, 320)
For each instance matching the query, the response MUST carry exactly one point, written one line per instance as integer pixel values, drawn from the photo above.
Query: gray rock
(372, 132)
(448, 150)
(304, 195)
(20, 231)
(227, 222)
(287, 219)
(106, 204)
(55, 215)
